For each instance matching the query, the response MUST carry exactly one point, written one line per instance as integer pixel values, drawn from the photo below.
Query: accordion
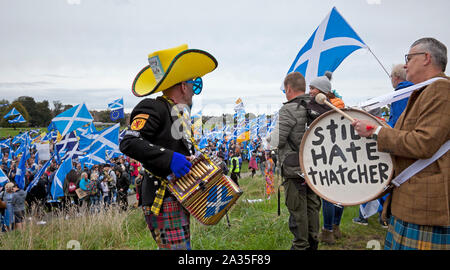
(205, 191)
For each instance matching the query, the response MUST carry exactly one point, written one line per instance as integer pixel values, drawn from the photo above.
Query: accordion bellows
(205, 191)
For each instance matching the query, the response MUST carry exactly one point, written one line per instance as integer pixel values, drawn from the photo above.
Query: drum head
(340, 166)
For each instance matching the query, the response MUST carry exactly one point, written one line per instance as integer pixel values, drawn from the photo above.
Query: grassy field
(254, 226)
(5, 132)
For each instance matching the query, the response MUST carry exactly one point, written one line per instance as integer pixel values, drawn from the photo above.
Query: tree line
(39, 114)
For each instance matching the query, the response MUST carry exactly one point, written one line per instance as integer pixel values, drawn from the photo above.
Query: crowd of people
(101, 185)
(416, 214)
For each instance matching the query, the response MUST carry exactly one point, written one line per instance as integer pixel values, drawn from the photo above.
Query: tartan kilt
(402, 235)
(170, 229)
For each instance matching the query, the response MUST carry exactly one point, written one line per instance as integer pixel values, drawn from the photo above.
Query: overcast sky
(90, 51)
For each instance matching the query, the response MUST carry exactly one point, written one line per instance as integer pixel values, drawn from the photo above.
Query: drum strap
(419, 165)
(380, 101)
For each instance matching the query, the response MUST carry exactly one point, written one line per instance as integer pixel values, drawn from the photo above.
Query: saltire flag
(3, 178)
(5, 143)
(20, 138)
(108, 137)
(73, 153)
(12, 112)
(10, 157)
(332, 41)
(97, 156)
(58, 181)
(72, 119)
(116, 108)
(68, 143)
(38, 175)
(18, 119)
(116, 104)
(88, 129)
(21, 169)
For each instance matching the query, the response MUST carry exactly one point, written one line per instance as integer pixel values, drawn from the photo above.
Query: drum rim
(302, 144)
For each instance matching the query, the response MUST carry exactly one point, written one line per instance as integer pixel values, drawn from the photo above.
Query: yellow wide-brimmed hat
(169, 67)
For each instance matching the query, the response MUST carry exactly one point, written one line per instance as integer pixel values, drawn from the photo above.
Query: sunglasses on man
(197, 85)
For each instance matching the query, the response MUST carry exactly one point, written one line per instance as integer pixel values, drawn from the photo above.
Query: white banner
(43, 151)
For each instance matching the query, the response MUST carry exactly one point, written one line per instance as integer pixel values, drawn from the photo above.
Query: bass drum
(339, 165)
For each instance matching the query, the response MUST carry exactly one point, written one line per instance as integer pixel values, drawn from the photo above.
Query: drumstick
(322, 99)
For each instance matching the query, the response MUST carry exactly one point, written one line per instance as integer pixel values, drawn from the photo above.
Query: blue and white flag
(21, 169)
(3, 178)
(108, 137)
(18, 119)
(20, 138)
(12, 112)
(5, 144)
(328, 46)
(72, 119)
(97, 156)
(116, 104)
(58, 182)
(38, 175)
(67, 144)
(116, 108)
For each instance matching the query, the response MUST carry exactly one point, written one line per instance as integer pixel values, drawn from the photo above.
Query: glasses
(197, 85)
(408, 56)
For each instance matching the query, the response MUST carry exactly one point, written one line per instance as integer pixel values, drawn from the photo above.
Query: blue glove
(179, 164)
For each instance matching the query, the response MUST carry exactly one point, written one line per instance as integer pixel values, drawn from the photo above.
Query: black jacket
(149, 140)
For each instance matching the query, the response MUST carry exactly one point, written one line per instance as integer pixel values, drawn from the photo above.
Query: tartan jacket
(422, 128)
(149, 140)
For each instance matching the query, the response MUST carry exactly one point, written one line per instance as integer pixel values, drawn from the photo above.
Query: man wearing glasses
(160, 136)
(420, 205)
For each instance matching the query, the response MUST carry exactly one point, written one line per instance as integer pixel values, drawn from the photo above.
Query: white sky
(90, 50)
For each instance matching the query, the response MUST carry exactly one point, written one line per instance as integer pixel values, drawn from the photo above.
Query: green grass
(254, 226)
(5, 132)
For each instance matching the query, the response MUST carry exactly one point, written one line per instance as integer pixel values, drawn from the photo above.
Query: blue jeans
(331, 215)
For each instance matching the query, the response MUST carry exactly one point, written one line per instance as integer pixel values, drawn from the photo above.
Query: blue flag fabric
(72, 119)
(58, 182)
(38, 175)
(108, 137)
(12, 112)
(21, 169)
(3, 178)
(5, 143)
(96, 156)
(332, 41)
(116, 104)
(116, 114)
(18, 119)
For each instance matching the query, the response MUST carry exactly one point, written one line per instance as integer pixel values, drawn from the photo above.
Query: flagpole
(379, 62)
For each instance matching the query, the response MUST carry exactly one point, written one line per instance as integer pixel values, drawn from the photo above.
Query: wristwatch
(375, 133)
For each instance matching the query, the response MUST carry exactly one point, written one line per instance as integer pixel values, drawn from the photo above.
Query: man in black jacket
(123, 183)
(160, 136)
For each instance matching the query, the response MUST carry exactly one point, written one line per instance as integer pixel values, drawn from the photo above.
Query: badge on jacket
(139, 121)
